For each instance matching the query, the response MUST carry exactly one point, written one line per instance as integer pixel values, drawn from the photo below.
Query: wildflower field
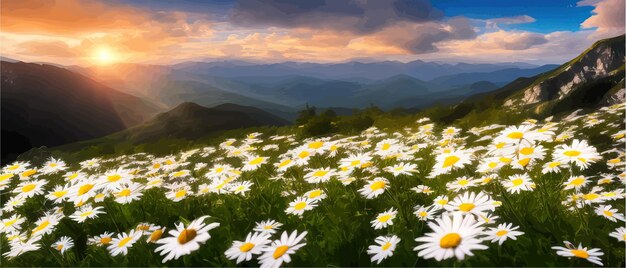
(539, 193)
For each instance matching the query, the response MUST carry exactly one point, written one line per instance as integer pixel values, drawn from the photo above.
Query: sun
(105, 56)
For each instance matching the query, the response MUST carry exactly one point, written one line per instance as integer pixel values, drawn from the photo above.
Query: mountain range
(43, 104)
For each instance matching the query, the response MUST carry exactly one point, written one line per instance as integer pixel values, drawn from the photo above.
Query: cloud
(513, 20)
(359, 16)
(47, 49)
(608, 17)
(504, 40)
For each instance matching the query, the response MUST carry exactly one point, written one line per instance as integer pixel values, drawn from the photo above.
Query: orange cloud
(47, 49)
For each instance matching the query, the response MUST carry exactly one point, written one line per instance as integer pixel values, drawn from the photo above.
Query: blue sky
(550, 15)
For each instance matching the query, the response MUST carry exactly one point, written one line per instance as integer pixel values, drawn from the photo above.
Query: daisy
(374, 188)
(178, 192)
(619, 234)
(355, 161)
(315, 194)
(516, 183)
(514, 134)
(281, 249)
(59, 193)
(461, 183)
(16, 167)
(551, 167)
(300, 205)
(63, 244)
(579, 153)
(12, 224)
(243, 250)
(29, 189)
(123, 242)
(19, 247)
(53, 166)
(5, 180)
(240, 187)
(401, 169)
(127, 192)
(101, 240)
(502, 233)
(86, 212)
(451, 160)
(253, 162)
(114, 178)
(319, 175)
(184, 240)
(284, 164)
(454, 236)
(302, 156)
(592, 255)
(424, 189)
(425, 213)
(268, 226)
(609, 213)
(384, 219)
(440, 201)
(384, 248)
(45, 224)
(576, 182)
(154, 235)
(472, 203)
(83, 190)
(386, 147)
(28, 174)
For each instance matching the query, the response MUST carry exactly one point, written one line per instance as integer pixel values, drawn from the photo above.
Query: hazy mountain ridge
(47, 105)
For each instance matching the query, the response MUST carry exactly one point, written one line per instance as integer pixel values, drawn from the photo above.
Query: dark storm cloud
(358, 16)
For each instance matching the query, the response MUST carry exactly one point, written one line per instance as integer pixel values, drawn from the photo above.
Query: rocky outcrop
(599, 61)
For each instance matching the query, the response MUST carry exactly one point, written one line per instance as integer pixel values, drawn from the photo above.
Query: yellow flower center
(87, 213)
(246, 247)
(386, 146)
(571, 153)
(384, 218)
(608, 213)
(124, 193)
(5, 177)
(29, 173)
(179, 173)
(256, 161)
(451, 240)
(320, 173)
(423, 214)
(515, 135)
(300, 206)
(450, 160)
(41, 226)
(284, 163)
(377, 185)
(591, 196)
(156, 235)
(123, 242)
(442, 202)
(523, 162)
(315, 193)
(554, 164)
(14, 167)
(303, 154)
(527, 150)
(60, 247)
(502, 232)
(280, 251)
(355, 163)
(493, 164)
(517, 182)
(316, 144)
(463, 182)
(186, 236)
(105, 240)
(29, 187)
(578, 181)
(465, 207)
(84, 189)
(580, 253)
(386, 246)
(181, 193)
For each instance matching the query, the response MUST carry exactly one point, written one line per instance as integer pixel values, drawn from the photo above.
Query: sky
(90, 32)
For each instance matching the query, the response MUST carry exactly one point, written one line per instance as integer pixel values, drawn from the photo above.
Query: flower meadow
(539, 193)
